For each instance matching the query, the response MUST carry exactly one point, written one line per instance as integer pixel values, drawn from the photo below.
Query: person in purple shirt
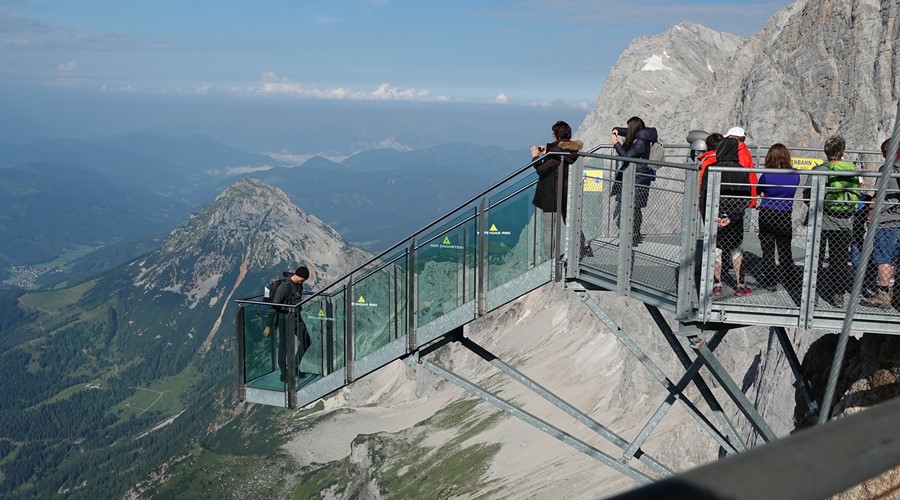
(775, 229)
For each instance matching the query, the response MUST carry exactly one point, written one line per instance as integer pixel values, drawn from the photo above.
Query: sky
(94, 68)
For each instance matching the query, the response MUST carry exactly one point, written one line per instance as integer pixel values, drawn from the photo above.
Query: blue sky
(553, 54)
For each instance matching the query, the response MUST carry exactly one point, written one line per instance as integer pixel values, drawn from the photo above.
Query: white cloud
(273, 84)
(248, 169)
(391, 143)
(501, 99)
(67, 67)
(131, 89)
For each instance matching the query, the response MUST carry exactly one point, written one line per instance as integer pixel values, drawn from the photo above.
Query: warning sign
(494, 231)
(361, 302)
(805, 163)
(321, 316)
(592, 180)
(446, 243)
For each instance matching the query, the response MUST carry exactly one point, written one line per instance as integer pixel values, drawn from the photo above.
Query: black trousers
(837, 278)
(301, 344)
(775, 235)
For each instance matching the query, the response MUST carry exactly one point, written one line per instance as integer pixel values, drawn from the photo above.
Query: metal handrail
(437, 221)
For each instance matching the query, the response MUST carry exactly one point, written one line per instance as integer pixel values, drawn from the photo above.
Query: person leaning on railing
(547, 170)
(775, 206)
(839, 201)
(886, 252)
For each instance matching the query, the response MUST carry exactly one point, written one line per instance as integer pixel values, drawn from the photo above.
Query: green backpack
(841, 193)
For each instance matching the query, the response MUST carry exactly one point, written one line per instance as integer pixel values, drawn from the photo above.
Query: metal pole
(412, 301)
(241, 354)
(799, 380)
(349, 334)
(868, 243)
(481, 265)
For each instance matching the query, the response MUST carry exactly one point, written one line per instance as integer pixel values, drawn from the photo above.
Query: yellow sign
(805, 163)
(361, 300)
(592, 180)
(321, 313)
(494, 228)
(447, 240)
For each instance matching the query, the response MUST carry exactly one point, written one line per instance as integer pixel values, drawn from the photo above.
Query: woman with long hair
(547, 169)
(775, 229)
(638, 138)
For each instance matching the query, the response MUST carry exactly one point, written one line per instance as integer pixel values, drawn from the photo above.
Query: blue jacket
(640, 148)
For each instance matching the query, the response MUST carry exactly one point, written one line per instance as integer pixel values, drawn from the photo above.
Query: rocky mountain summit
(816, 69)
(250, 225)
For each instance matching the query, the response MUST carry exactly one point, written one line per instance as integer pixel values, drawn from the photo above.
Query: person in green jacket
(840, 201)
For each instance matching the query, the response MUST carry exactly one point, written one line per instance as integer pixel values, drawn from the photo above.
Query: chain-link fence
(794, 254)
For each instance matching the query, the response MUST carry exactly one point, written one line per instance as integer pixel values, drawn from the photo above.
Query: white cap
(735, 131)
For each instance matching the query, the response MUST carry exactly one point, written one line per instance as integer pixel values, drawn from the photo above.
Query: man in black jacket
(289, 291)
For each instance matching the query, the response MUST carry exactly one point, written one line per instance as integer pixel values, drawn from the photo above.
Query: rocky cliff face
(816, 69)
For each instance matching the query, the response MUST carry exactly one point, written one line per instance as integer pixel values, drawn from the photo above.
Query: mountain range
(72, 208)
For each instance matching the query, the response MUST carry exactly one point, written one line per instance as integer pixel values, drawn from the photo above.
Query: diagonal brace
(563, 405)
(653, 369)
(535, 421)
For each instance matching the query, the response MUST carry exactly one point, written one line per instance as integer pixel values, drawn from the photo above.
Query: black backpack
(271, 288)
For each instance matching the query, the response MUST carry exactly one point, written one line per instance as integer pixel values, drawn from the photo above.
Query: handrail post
(349, 335)
(576, 193)
(289, 340)
(481, 266)
(241, 354)
(411, 297)
(555, 239)
(711, 229)
(626, 230)
(813, 242)
(687, 268)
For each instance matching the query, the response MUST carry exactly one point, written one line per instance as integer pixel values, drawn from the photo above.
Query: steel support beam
(674, 392)
(537, 422)
(555, 400)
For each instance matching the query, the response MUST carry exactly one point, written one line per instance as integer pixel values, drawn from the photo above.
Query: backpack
(269, 290)
(842, 193)
(657, 153)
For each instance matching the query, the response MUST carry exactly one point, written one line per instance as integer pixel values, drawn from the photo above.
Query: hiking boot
(837, 300)
(717, 289)
(882, 299)
(743, 291)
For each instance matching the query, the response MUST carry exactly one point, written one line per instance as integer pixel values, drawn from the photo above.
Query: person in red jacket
(745, 159)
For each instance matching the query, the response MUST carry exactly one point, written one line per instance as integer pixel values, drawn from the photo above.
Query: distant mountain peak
(251, 226)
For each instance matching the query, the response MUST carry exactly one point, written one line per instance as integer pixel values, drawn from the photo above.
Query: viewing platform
(420, 293)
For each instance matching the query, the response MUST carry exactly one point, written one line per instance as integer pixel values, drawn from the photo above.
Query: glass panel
(445, 268)
(514, 233)
(379, 307)
(324, 318)
(261, 351)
